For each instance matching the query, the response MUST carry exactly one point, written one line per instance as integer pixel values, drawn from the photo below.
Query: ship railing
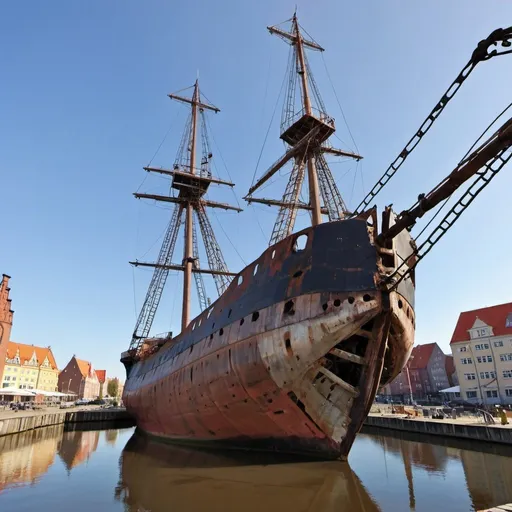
(319, 114)
(202, 171)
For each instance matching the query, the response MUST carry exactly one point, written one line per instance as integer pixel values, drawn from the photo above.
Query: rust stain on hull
(288, 361)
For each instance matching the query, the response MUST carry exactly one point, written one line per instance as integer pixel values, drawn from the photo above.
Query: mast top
(295, 35)
(306, 128)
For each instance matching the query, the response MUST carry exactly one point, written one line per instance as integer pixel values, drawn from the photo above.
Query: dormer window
(480, 330)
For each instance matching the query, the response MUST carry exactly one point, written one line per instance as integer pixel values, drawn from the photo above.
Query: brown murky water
(114, 470)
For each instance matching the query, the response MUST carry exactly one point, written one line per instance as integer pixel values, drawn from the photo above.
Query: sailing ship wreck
(290, 356)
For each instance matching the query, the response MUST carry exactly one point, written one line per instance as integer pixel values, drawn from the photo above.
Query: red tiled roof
(46, 352)
(420, 355)
(449, 365)
(498, 317)
(84, 367)
(101, 374)
(26, 352)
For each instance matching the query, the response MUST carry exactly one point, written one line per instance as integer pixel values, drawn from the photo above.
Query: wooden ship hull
(291, 355)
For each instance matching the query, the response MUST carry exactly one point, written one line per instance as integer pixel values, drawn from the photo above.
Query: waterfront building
(482, 349)
(79, 378)
(424, 374)
(102, 376)
(29, 367)
(6, 314)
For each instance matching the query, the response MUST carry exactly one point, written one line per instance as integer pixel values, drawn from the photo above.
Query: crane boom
(485, 50)
(489, 151)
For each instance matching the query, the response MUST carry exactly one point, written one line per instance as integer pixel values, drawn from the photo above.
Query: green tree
(113, 387)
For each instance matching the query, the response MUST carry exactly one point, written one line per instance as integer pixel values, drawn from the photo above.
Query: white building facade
(482, 352)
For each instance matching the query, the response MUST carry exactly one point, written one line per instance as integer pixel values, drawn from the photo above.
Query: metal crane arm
(485, 50)
(491, 150)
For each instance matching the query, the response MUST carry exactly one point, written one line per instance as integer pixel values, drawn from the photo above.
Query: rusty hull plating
(291, 356)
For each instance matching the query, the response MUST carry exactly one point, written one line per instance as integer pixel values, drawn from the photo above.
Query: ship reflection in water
(114, 470)
(154, 476)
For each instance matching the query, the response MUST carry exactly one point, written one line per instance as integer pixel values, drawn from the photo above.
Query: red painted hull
(269, 380)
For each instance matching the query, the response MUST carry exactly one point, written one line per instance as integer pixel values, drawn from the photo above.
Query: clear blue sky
(84, 107)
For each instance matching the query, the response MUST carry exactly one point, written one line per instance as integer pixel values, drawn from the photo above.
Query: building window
(470, 376)
(7, 377)
(466, 360)
(508, 392)
(492, 393)
(471, 394)
(505, 357)
(463, 349)
(482, 346)
(484, 359)
(507, 374)
(498, 343)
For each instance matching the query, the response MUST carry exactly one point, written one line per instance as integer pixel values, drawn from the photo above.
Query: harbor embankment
(460, 428)
(16, 422)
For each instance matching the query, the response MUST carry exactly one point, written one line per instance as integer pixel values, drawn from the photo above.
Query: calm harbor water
(115, 470)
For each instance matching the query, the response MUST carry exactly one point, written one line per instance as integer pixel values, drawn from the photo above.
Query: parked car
(98, 401)
(82, 401)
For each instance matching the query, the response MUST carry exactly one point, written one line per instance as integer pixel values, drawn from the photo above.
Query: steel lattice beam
(198, 277)
(331, 196)
(213, 251)
(156, 286)
(286, 217)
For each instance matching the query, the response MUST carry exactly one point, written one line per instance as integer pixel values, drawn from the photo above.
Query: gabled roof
(101, 374)
(499, 317)
(27, 351)
(449, 365)
(46, 352)
(420, 355)
(85, 367)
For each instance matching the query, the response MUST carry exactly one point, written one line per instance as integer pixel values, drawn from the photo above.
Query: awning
(16, 392)
(50, 393)
(454, 389)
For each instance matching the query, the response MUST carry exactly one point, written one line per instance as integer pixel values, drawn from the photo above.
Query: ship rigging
(290, 356)
(192, 182)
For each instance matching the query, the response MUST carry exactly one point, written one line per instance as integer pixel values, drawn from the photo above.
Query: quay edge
(17, 424)
(485, 433)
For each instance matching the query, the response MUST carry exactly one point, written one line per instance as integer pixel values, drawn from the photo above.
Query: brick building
(79, 377)
(6, 314)
(482, 350)
(425, 373)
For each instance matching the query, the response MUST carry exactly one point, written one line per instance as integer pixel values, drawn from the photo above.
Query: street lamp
(409, 378)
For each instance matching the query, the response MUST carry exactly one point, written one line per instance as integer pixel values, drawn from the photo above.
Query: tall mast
(192, 183)
(306, 130)
(314, 196)
(188, 255)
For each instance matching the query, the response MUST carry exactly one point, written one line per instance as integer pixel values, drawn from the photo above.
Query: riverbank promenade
(14, 422)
